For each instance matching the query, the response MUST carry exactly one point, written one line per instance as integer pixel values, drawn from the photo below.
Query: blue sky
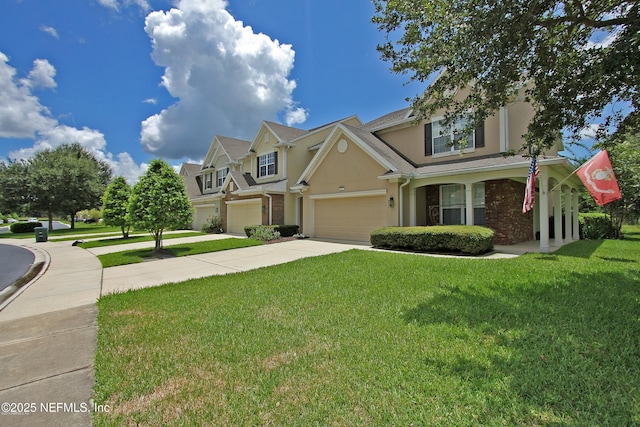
(133, 80)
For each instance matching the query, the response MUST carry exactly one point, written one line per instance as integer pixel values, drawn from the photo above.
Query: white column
(543, 183)
(567, 214)
(412, 205)
(574, 214)
(557, 216)
(468, 190)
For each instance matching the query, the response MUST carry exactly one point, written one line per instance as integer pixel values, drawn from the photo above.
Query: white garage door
(243, 213)
(201, 215)
(352, 218)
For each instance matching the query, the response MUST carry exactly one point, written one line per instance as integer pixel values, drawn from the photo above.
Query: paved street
(14, 263)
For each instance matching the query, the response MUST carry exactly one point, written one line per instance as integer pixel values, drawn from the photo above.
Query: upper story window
(440, 140)
(268, 164)
(221, 174)
(208, 181)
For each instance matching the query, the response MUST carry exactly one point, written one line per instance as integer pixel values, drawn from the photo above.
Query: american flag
(530, 190)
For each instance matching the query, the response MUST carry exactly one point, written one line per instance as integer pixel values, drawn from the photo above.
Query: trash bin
(42, 234)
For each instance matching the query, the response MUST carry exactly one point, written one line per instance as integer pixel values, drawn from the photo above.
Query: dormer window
(208, 181)
(268, 164)
(221, 174)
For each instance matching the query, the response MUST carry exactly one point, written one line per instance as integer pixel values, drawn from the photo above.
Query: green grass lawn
(185, 249)
(136, 239)
(371, 338)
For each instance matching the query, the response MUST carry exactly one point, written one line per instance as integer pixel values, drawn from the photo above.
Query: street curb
(37, 269)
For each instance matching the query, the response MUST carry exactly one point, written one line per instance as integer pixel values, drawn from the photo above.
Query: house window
(267, 164)
(453, 205)
(208, 181)
(441, 141)
(221, 174)
(450, 139)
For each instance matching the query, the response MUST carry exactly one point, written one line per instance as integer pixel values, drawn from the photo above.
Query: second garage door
(244, 212)
(349, 218)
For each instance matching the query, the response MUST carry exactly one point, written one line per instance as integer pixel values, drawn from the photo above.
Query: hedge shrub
(466, 239)
(24, 227)
(594, 226)
(284, 230)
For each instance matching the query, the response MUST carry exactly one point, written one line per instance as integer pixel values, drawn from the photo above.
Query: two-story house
(342, 180)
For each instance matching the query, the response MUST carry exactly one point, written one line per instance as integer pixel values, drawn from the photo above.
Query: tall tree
(115, 205)
(67, 179)
(573, 57)
(15, 185)
(160, 201)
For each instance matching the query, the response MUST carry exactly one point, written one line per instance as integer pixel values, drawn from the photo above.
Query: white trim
(504, 129)
(343, 195)
(243, 201)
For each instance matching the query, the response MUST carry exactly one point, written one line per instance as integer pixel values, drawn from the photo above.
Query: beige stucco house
(344, 179)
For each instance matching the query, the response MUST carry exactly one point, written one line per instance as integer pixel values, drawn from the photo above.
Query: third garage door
(349, 218)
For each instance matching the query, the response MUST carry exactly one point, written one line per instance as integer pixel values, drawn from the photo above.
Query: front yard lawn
(373, 338)
(185, 249)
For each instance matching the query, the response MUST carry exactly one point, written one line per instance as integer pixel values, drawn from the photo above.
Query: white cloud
(590, 131)
(21, 113)
(41, 75)
(50, 30)
(115, 4)
(227, 78)
(296, 116)
(23, 116)
(153, 101)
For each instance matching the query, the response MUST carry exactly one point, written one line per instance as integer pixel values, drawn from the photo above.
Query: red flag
(597, 175)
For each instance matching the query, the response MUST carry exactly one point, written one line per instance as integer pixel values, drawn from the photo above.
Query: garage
(349, 218)
(203, 214)
(243, 212)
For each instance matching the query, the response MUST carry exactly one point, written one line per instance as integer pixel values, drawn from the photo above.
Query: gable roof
(234, 148)
(189, 172)
(390, 119)
(285, 133)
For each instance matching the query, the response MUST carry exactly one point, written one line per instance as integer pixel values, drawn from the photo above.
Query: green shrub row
(464, 239)
(284, 230)
(24, 227)
(594, 226)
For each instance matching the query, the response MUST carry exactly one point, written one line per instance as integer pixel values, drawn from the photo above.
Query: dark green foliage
(472, 240)
(495, 48)
(24, 227)
(594, 226)
(284, 230)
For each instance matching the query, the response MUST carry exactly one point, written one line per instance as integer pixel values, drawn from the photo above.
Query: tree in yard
(159, 201)
(67, 179)
(15, 184)
(576, 59)
(625, 159)
(115, 205)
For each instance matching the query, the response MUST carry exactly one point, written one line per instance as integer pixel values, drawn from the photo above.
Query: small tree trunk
(50, 216)
(158, 238)
(73, 221)
(125, 232)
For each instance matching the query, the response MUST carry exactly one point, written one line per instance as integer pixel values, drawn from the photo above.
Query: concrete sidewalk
(48, 341)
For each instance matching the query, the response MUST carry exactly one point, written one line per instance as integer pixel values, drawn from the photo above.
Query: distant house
(344, 179)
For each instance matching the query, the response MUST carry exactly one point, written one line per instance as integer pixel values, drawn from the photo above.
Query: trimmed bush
(464, 239)
(24, 227)
(288, 230)
(265, 233)
(594, 226)
(284, 230)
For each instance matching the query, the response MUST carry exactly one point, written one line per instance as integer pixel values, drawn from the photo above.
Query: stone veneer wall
(503, 212)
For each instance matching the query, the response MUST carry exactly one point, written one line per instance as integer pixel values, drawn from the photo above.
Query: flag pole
(568, 176)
